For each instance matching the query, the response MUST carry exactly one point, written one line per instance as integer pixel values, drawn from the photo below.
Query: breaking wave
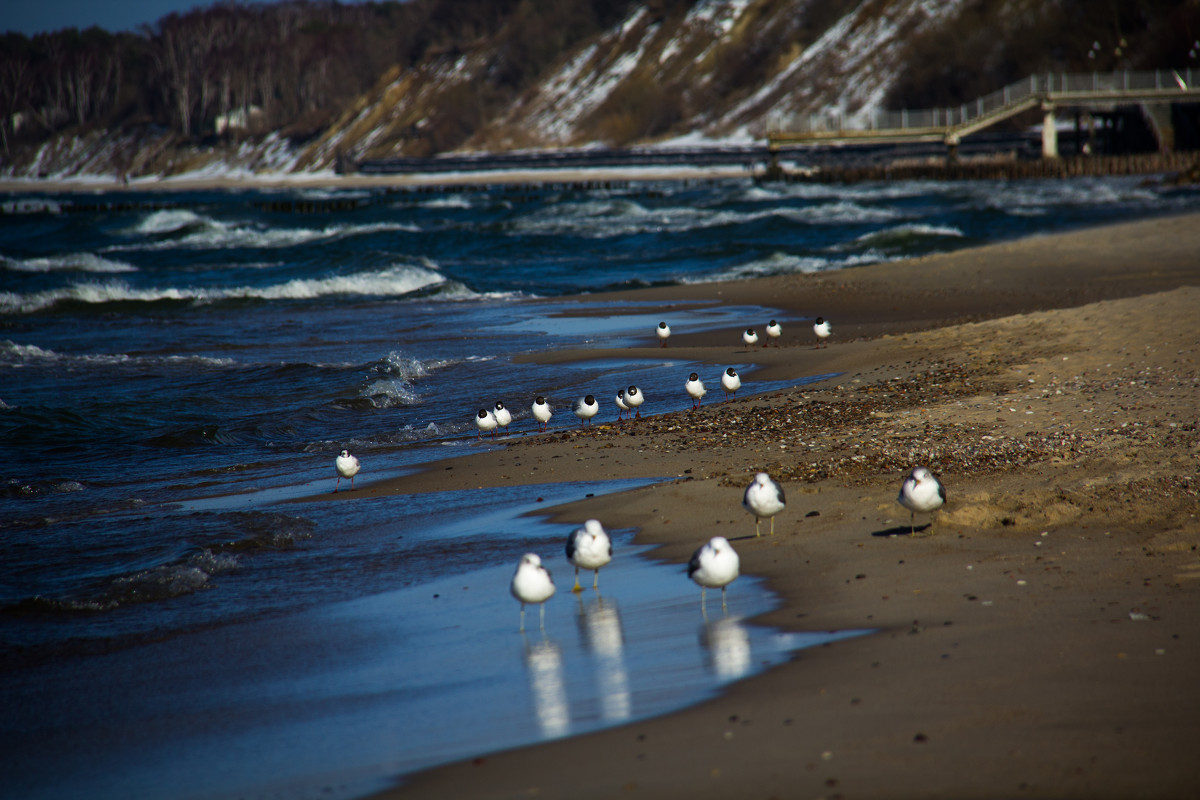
(67, 262)
(167, 230)
(392, 282)
(13, 354)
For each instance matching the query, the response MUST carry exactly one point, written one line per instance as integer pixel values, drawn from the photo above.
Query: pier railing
(958, 121)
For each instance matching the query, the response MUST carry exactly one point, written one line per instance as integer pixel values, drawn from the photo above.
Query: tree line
(296, 63)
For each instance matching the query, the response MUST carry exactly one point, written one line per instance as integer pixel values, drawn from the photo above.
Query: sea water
(174, 366)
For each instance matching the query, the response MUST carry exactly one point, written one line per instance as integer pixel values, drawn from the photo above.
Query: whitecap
(395, 281)
(786, 264)
(218, 235)
(168, 221)
(907, 232)
(68, 262)
(841, 212)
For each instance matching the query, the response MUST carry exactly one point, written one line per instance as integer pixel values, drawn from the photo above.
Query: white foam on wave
(908, 231)
(218, 235)
(840, 213)
(394, 383)
(67, 262)
(601, 219)
(787, 264)
(392, 282)
(168, 221)
(13, 354)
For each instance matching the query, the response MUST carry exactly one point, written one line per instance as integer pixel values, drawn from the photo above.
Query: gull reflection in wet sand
(727, 643)
(545, 663)
(600, 627)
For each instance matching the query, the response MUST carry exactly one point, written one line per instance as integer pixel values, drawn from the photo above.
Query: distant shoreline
(990, 168)
(353, 181)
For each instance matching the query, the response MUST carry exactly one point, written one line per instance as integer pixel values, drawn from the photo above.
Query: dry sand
(1041, 637)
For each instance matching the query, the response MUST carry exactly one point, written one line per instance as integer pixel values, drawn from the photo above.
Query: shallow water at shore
(340, 697)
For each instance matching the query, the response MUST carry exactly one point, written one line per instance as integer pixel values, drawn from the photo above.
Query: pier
(1050, 93)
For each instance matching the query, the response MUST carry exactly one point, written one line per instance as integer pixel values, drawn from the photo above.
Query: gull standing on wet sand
(634, 399)
(541, 412)
(586, 408)
(750, 337)
(622, 406)
(695, 389)
(764, 498)
(503, 415)
(715, 565)
(823, 330)
(485, 420)
(663, 331)
(920, 491)
(774, 331)
(347, 467)
(531, 583)
(589, 548)
(730, 382)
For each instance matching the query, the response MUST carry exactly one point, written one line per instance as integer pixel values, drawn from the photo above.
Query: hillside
(439, 76)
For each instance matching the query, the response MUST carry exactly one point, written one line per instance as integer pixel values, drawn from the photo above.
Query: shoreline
(1038, 638)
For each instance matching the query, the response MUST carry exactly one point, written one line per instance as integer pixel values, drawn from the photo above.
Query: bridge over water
(1154, 91)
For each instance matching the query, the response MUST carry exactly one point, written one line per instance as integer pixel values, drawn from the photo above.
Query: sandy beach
(1037, 637)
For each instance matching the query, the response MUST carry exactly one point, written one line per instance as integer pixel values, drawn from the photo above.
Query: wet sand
(1039, 636)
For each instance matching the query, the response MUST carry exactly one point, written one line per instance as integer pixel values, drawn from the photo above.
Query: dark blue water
(174, 364)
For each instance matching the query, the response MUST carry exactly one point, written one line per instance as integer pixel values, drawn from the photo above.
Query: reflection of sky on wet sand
(600, 626)
(727, 645)
(544, 663)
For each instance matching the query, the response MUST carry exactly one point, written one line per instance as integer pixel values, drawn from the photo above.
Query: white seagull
(590, 548)
(503, 415)
(663, 331)
(485, 420)
(750, 336)
(714, 565)
(764, 498)
(823, 330)
(920, 491)
(347, 467)
(695, 388)
(541, 412)
(621, 404)
(531, 583)
(730, 382)
(774, 331)
(586, 408)
(634, 399)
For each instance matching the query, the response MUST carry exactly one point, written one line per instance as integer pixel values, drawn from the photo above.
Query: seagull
(764, 498)
(503, 415)
(541, 412)
(822, 329)
(486, 421)
(921, 491)
(750, 337)
(774, 331)
(590, 548)
(347, 467)
(695, 388)
(730, 382)
(634, 398)
(531, 583)
(663, 331)
(715, 564)
(621, 404)
(586, 408)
